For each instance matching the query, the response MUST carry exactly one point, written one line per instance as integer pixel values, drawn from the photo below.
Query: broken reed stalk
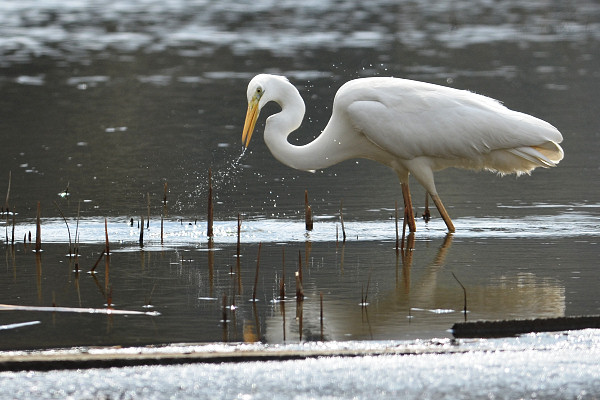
(300, 266)
(256, 276)
(464, 295)
(299, 278)
(14, 209)
(142, 232)
(106, 247)
(239, 231)
(97, 262)
(68, 230)
(148, 221)
(210, 210)
(38, 229)
(282, 280)
(165, 196)
(107, 266)
(109, 293)
(6, 223)
(76, 247)
(238, 274)
(307, 213)
(8, 190)
(342, 221)
(397, 232)
(105, 252)
(299, 288)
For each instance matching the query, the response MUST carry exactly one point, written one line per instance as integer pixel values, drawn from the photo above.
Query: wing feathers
(414, 119)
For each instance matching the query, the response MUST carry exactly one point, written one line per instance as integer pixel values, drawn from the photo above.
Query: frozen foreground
(563, 365)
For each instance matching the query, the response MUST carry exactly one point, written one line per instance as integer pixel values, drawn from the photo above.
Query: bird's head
(262, 89)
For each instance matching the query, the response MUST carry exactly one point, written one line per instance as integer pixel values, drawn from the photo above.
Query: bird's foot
(426, 216)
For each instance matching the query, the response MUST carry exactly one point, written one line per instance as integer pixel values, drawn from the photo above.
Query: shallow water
(202, 291)
(107, 104)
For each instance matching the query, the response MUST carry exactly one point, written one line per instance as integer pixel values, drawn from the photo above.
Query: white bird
(412, 127)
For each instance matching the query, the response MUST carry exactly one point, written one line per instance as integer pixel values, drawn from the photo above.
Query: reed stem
(300, 266)
(239, 231)
(142, 232)
(14, 210)
(307, 213)
(165, 196)
(97, 262)
(106, 247)
(464, 295)
(8, 190)
(342, 221)
(209, 231)
(148, 200)
(256, 276)
(77, 237)
(282, 280)
(397, 231)
(299, 288)
(68, 230)
(38, 229)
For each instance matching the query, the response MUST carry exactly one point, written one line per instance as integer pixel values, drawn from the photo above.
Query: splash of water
(228, 174)
(237, 160)
(225, 176)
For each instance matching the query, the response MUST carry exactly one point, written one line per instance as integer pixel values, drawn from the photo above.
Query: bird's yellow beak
(251, 117)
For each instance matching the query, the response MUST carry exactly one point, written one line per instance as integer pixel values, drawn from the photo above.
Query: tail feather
(546, 155)
(551, 150)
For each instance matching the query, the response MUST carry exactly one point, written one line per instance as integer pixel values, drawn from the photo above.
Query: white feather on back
(413, 119)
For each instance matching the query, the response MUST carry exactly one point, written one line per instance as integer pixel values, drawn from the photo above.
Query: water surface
(108, 103)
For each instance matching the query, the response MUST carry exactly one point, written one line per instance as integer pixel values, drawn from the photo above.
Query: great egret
(412, 127)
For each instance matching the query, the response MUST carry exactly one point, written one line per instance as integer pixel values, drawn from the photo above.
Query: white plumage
(412, 127)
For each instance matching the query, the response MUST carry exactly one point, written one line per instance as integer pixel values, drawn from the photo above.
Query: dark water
(114, 101)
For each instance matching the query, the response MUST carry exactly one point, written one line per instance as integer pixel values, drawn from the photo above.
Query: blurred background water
(111, 100)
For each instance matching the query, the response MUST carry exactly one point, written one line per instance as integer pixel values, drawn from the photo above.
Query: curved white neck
(309, 157)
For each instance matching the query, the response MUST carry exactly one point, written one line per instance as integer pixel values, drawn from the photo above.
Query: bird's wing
(429, 120)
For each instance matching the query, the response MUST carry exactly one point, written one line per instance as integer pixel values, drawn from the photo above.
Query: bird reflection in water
(423, 299)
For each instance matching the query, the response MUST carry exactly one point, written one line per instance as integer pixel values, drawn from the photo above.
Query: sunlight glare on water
(105, 105)
(576, 223)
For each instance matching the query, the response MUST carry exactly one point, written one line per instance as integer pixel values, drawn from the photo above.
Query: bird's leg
(426, 213)
(409, 215)
(438, 203)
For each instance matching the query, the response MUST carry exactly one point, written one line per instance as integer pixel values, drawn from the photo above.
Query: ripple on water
(179, 233)
(75, 29)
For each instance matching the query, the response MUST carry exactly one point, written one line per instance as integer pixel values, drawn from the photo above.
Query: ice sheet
(560, 365)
